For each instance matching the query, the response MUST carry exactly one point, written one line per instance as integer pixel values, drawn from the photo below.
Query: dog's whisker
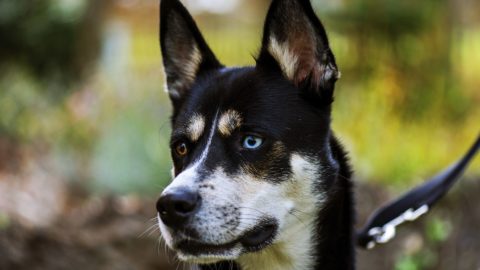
(156, 230)
(159, 242)
(165, 250)
(149, 230)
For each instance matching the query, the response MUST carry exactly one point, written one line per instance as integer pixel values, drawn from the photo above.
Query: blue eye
(252, 142)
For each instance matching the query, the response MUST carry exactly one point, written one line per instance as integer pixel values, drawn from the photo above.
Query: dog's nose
(176, 207)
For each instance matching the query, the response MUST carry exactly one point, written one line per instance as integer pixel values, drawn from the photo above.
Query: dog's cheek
(305, 199)
(289, 201)
(302, 186)
(260, 200)
(261, 192)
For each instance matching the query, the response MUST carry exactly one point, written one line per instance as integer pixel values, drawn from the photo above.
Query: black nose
(176, 207)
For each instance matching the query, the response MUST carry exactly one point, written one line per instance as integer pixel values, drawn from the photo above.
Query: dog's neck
(334, 226)
(335, 246)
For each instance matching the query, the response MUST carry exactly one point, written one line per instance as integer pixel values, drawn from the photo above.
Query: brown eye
(181, 149)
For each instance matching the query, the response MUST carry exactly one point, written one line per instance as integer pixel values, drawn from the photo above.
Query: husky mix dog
(260, 181)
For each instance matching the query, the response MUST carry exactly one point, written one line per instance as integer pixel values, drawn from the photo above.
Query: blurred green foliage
(131, 152)
(437, 231)
(4, 221)
(417, 40)
(406, 106)
(52, 40)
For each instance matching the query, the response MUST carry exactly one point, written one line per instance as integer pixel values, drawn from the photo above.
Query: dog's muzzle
(177, 210)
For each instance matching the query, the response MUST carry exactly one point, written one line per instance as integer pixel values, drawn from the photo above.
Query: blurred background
(84, 123)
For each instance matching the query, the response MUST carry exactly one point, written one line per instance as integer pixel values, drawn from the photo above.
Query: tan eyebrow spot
(195, 127)
(229, 121)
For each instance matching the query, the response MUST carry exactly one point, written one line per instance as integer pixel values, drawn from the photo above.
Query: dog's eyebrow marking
(229, 121)
(195, 127)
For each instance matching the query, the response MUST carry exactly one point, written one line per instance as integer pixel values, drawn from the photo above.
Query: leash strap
(381, 226)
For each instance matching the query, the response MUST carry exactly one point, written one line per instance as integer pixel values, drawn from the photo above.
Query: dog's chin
(255, 239)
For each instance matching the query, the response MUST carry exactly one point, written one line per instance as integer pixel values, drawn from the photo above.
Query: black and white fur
(284, 205)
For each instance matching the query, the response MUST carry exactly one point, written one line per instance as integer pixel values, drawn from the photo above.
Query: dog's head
(250, 145)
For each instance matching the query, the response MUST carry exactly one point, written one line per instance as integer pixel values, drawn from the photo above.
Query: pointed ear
(185, 53)
(295, 41)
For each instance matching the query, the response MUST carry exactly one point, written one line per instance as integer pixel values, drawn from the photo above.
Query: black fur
(295, 113)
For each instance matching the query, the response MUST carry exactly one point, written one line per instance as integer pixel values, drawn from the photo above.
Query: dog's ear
(295, 43)
(185, 53)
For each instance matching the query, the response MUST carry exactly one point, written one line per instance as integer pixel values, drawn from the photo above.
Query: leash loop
(381, 235)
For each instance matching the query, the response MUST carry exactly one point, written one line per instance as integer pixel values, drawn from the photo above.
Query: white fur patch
(284, 56)
(204, 154)
(229, 121)
(196, 127)
(307, 171)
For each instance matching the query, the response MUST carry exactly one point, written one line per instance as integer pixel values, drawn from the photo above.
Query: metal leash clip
(381, 235)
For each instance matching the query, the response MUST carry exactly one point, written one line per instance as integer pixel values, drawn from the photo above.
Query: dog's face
(249, 145)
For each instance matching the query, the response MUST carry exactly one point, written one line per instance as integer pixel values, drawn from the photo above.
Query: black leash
(381, 226)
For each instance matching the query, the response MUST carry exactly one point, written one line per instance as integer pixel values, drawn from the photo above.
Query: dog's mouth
(255, 239)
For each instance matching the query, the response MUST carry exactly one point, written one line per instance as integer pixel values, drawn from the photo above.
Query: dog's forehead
(227, 121)
(239, 96)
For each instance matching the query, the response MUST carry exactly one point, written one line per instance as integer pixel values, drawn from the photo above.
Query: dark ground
(113, 233)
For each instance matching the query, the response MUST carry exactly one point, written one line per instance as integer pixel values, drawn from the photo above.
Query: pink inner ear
(308, 63)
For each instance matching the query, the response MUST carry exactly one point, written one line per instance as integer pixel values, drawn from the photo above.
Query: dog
(260, 180)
